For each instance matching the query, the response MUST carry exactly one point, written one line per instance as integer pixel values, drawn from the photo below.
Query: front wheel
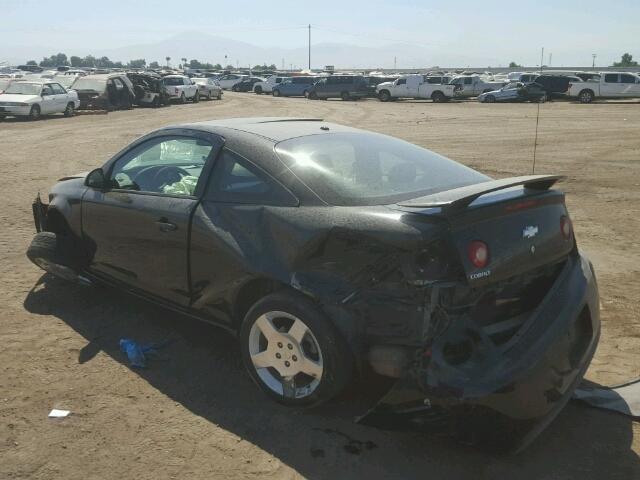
(258, 90)
(196, 97)
(275, 93)
(490, 99)
(70, 110)
(438, 97)
(384, 96)
(34, 113)
(47, 252)
(183, 98)
(345, 96)
(293, 352)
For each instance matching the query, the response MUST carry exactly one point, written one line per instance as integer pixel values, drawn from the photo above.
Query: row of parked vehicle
(34, 95)
(442, 87)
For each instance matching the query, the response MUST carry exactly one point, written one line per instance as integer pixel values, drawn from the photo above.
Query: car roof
(275, 129)
(174, 76)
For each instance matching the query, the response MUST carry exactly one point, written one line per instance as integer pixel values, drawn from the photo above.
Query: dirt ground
(194, 413)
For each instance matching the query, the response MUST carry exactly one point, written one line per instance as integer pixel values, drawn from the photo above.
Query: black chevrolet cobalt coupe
(329, 251)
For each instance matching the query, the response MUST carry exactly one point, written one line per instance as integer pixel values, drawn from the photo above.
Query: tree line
(61, 59)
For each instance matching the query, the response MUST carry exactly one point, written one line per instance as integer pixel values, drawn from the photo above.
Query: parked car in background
(608, 85)
(227, 81)
(149, 89)
(112, 91)
(208, 88)
(294, 86)
(373, 81)
(414, 86)
(346, 87)
(515, 92)
(181, 88)
(267, 85)
(556, 86)
(247, 84)
(33, 99)
(66, 80)
(474, 85)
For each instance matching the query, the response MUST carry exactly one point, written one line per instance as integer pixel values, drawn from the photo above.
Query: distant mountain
(211, 48)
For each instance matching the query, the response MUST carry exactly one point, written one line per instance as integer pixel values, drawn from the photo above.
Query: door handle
(166, 226)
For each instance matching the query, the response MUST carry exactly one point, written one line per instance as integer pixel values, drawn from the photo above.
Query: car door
(629, 84)
(610, 86)
(136, 232)
(48, 103)
(60, 96)
(228, 239)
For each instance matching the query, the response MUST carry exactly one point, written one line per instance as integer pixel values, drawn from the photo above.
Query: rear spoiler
(458, 198)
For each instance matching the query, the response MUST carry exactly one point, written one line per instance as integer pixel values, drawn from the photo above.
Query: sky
(483, 33)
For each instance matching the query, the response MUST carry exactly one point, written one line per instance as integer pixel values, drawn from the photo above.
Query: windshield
(370, 169)
(88, 83)
(19, 88)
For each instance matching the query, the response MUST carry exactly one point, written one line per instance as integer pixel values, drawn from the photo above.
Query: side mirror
(96, 179)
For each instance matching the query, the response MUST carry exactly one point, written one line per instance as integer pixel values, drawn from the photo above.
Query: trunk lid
(522, 234)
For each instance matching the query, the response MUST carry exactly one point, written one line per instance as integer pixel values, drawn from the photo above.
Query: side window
(468, 81)
(47, 90)
(236, 180)
(611, 78)
(170, 165)
(402, 81)
(118, 83)
(57, 89)
(626, 78)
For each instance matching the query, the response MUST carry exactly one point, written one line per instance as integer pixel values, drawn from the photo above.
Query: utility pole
(550, 57)
(541, 59)
(593, 63)
(395, 63)
(309, 46)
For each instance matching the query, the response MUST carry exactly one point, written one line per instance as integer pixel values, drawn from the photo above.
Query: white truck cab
(414, 86)
(608, 85)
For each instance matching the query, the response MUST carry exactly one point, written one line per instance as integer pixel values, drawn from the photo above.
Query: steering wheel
(157, 177)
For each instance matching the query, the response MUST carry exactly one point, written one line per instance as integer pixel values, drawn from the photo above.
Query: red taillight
(478, 253)
(565, 227)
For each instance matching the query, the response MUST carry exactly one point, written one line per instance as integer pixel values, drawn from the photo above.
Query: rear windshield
(88, 83)
(369, 169)
(173, 81)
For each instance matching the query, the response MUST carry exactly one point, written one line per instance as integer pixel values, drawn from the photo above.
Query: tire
(70, 110)
(183, 98)
(220, 95)
(275, 93)
(209, 97)
(258, 90)
(312, 95)
(384, 96)
(322, 352)
(196, 97)
(490, 99)
(438, 97)
(234, 88)
(34, 113)
(586, 96)
(345, 96)
(47, 252)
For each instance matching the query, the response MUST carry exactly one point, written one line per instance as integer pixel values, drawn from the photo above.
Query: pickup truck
(609, 85)
(35, 98)
(414, 86)
(474, 85)
(181, 88)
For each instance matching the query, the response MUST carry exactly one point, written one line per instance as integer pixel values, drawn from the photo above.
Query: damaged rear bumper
(502, 397)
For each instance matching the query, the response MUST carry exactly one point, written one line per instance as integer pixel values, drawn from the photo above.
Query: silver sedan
(208, 88)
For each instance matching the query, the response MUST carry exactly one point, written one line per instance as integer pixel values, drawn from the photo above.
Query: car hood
(384, 84)
(12, 97)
